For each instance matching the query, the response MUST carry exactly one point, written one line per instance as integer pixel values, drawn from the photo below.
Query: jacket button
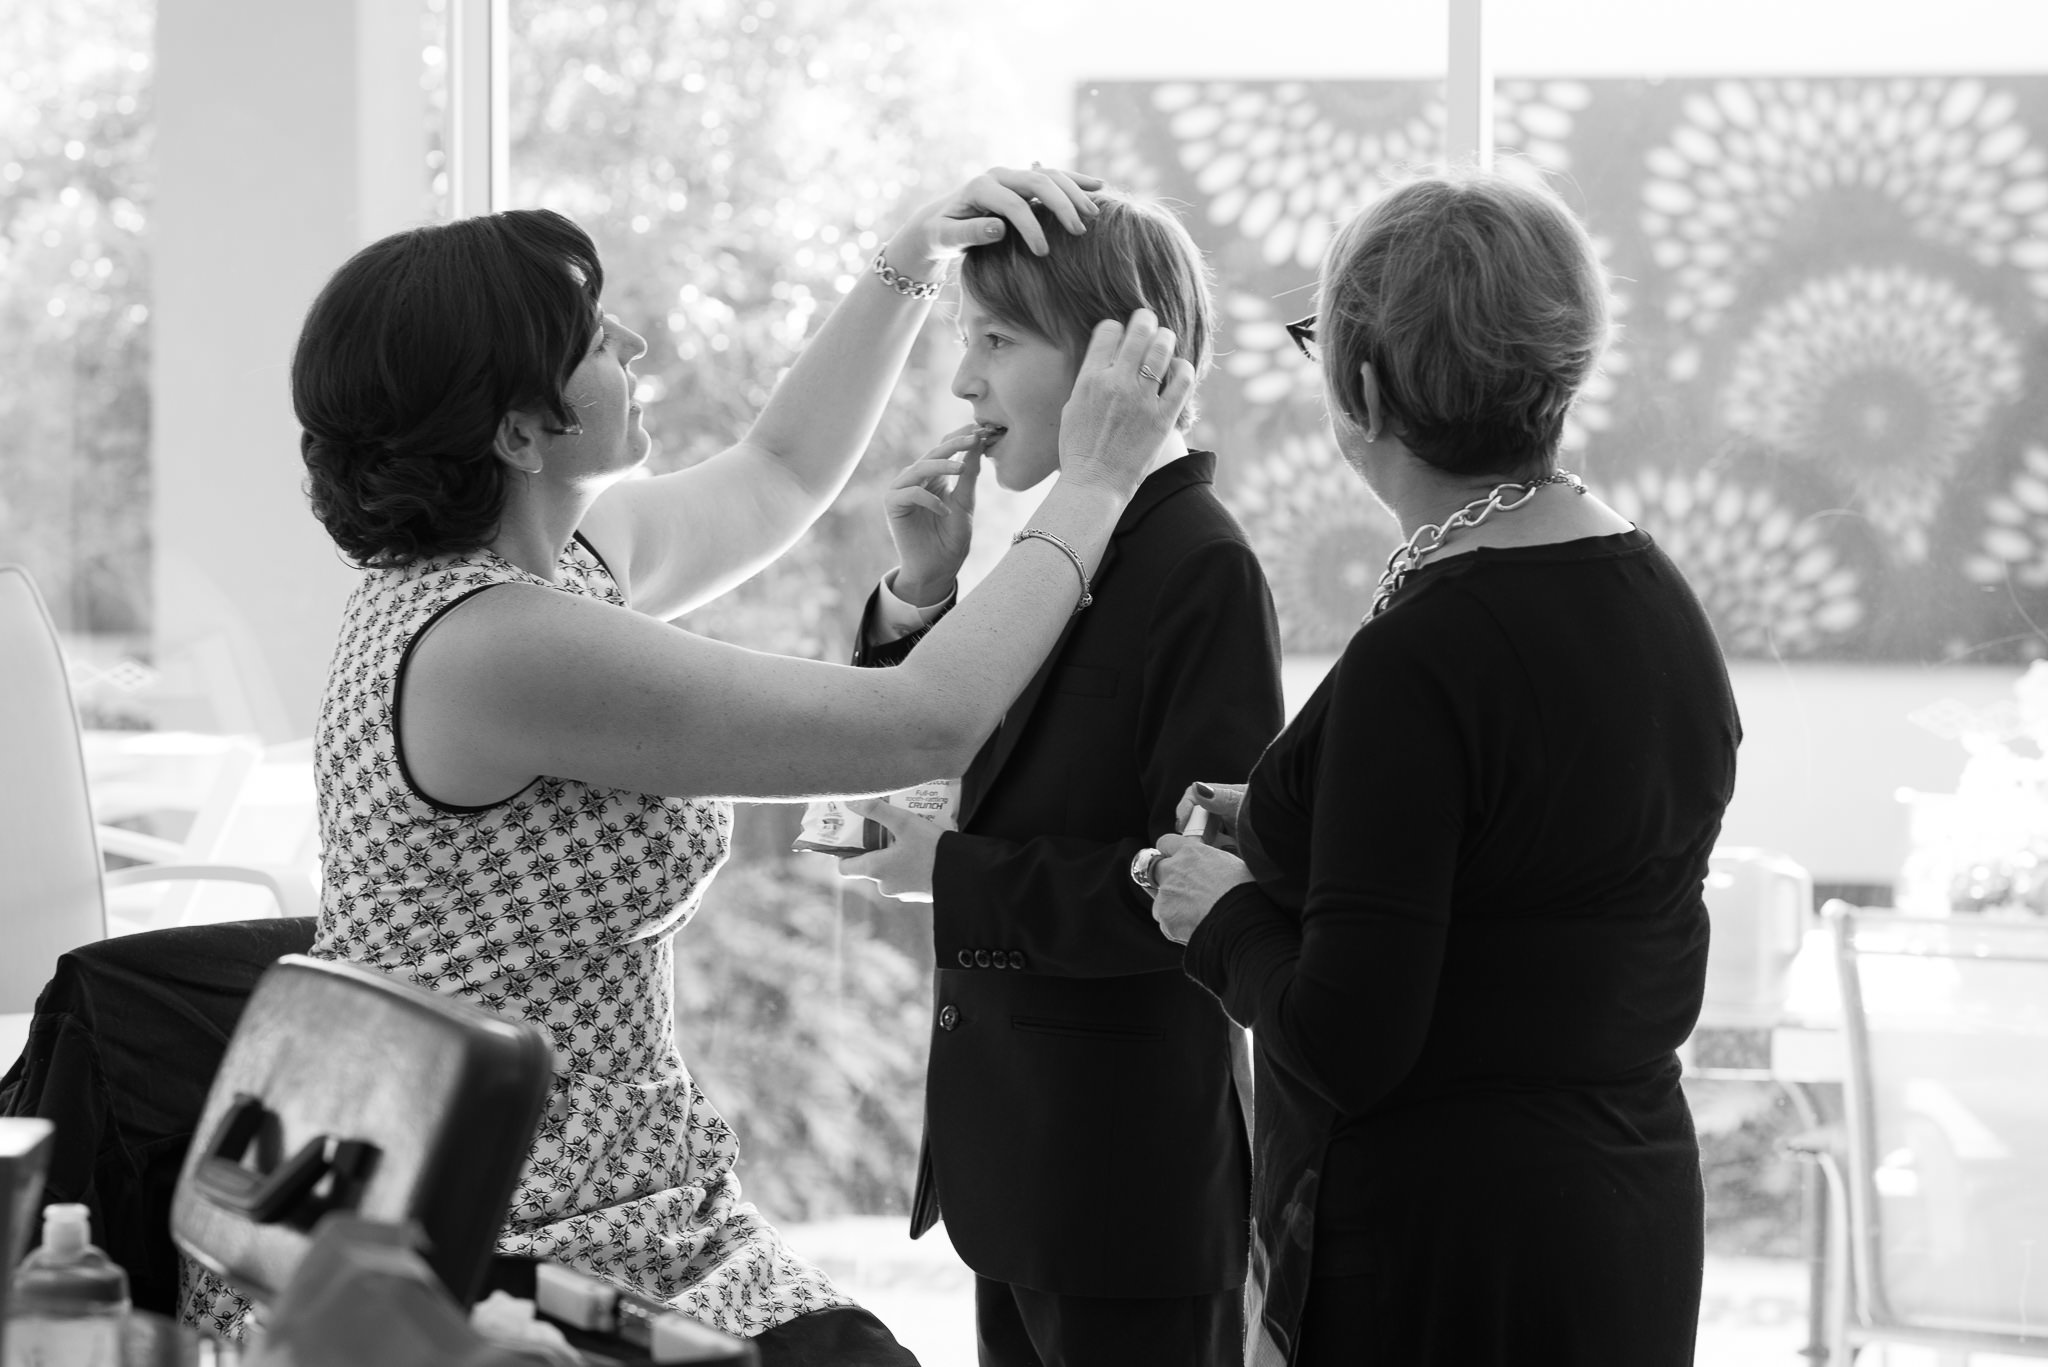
(966, 958)
(949, 1017)
(981, 958)
(1016, 958)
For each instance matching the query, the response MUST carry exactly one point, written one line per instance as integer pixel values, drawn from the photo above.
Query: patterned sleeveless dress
(558, 906)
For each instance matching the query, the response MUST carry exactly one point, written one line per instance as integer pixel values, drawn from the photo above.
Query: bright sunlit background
(1829, 225)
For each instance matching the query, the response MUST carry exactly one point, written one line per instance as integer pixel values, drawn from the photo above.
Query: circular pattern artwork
(1769, 579)
(1282, 163)
(1826, 387)
(2012, 548)
(1321, 535)
(1752, 165)
(1883, 377)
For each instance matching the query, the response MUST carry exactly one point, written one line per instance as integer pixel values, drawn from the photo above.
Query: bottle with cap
(68, 1300)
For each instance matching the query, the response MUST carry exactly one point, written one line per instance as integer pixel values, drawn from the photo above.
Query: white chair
(1946, 1161)
(242, 806)
(52, 897)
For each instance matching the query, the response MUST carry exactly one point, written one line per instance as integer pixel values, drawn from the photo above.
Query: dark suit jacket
(1082, 1134)
(122, 1050)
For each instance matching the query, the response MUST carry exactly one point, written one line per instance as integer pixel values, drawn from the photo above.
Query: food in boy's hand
(830, 827)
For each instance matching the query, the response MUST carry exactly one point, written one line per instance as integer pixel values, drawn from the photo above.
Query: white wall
(288, 134)
(1030, 57)
(1825, 751)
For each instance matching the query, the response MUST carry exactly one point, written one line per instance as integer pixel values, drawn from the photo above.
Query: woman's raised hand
(1128, 394)
(995, 202)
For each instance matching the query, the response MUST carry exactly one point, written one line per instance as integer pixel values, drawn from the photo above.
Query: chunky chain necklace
(1504, 498)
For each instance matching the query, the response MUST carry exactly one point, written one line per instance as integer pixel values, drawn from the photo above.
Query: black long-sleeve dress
(1475, 941)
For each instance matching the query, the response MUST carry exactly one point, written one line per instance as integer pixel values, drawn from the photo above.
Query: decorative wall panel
(1828, 393)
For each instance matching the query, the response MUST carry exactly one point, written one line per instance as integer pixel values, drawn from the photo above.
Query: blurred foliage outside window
(739, 163)
(76, 181)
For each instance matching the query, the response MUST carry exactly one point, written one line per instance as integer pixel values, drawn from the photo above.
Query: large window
(94, 366)
(1828, 398)
(1826, 256)
(76, 190)
(738, 164)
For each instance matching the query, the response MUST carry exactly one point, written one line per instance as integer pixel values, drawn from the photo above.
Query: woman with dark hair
(1466, 927)
(522, 766)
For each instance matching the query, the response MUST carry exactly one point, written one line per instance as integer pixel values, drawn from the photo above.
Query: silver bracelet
(903, 284)
(1033, 533)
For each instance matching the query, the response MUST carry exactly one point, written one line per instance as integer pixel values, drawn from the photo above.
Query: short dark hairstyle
(409, 359)
(1481, 306)
(1134, 255)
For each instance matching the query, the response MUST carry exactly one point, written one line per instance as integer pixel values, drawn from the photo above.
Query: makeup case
(344, 1089)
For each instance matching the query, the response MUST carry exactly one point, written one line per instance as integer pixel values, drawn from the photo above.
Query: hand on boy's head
(1127, 396)
(995, 202)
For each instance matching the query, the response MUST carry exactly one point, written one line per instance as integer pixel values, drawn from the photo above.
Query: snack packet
(830, 827)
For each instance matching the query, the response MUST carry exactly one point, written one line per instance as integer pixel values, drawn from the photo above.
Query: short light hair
(1481, 306)
(1135, 254)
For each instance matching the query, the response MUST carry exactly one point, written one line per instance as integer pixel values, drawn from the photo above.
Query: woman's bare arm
(522, 680)
(681, 539)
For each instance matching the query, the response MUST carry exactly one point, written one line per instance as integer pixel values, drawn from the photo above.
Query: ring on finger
(1146, 371)
(1141, 870)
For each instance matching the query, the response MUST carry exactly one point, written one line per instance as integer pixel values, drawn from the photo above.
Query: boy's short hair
(1135, 254)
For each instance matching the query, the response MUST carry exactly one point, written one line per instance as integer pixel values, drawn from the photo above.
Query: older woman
(522, 765)
(1466, 927)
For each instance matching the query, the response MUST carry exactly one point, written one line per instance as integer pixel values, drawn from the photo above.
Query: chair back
(50, 899)
(1946, 1023)
(272, 822)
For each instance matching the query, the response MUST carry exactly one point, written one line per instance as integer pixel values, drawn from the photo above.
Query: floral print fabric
(559, 906)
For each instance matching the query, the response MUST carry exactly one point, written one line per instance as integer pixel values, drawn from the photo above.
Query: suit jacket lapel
(1197, 467)
(996, 750)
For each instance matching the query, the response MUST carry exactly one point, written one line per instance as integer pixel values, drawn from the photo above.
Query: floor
(1752, 1312)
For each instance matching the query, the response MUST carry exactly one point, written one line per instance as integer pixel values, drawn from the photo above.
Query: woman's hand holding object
(1191, 878)
(1221, 801)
